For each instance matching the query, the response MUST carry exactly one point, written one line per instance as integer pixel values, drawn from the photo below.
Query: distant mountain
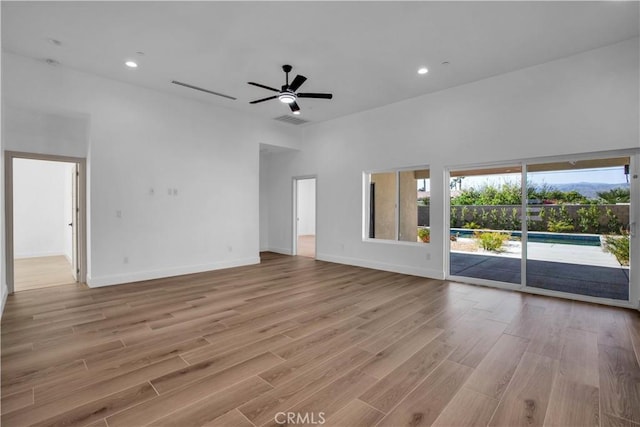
(589, 189)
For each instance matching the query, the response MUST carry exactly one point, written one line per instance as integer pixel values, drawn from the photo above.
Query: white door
(75, 211)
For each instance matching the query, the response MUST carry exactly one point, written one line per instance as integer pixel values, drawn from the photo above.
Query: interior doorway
(305, 217)
(45, 221)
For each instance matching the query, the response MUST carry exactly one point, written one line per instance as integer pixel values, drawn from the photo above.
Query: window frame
(366, 201)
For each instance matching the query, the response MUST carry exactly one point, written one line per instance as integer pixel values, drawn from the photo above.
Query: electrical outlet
(428, 256)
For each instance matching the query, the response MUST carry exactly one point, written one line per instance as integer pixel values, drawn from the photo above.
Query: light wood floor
(306, 246)
(41, 272)
(352, 346)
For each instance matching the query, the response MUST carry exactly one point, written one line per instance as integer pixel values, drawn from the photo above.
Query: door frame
(81, 226)
(634, 211)
(294, 246)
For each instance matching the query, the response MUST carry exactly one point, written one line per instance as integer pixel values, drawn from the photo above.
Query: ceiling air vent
(291, 120)
(175, 82)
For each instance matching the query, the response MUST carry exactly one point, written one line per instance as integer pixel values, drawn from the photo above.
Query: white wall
(583, 103)
(263, 202)
(140, 143)
(41, 208)
(306, 207)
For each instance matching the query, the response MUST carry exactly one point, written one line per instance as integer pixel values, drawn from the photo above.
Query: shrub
(454, 217)
(491, 241)
(559, 226)
(472, 225)
(613, 223)
(424, 234)
(619, 247)
(589, 219)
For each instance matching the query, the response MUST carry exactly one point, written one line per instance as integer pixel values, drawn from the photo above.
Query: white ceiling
(365, 53)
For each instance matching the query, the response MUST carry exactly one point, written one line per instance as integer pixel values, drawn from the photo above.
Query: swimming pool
(542, 237)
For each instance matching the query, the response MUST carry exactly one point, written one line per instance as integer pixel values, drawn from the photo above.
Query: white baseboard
(36, 254)
(5, 293)
(282, 251)
(118, 279)
(376, 265)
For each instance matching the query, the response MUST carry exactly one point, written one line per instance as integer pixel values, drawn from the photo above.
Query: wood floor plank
(283, 372)
(573, 404)
(355, 414)
(427, 401)
(190, 392)
(633, 326)
(619, 382)
(467, 409)
(387, 392)
(607, 420)
(27, 379)
(393, 356)
(194, 373)
(579, 357)
(208, 409)
(527, 396)
(232, 418)
(16, 401)
(493, 374)
(334, 396)
(105, 382)
(263, 408)
(473, 338)
(94, 410)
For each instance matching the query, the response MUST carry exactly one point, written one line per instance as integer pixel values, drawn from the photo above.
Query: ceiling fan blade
(263, 86)
(294, 106)
(263, 99)
(297, 82)
(315, 95)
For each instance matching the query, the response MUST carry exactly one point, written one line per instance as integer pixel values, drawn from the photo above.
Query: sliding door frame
(634, 210)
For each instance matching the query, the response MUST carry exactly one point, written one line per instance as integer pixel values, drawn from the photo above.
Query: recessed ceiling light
(297, 113)
(423, 70)
(131, 64)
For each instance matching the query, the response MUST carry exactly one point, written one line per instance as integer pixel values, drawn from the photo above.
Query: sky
(612, 175)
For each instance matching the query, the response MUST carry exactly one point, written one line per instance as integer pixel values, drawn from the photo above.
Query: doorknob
(70, 224)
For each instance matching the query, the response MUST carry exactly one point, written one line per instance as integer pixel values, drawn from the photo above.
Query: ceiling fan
(287, 94)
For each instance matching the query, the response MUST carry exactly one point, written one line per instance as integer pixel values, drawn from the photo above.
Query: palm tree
(615, 195)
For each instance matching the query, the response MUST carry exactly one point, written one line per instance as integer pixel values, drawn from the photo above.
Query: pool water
(542, 237)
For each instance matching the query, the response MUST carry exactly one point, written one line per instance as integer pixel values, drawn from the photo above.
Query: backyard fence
(558, 218)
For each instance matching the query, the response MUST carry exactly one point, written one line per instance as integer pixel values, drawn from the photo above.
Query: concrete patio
(584, 270)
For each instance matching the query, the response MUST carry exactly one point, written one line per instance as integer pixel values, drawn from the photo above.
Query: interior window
(399, 205)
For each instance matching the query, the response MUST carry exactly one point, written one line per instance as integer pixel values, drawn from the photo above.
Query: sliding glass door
(578, 227)
(485, 225)
(563, 226)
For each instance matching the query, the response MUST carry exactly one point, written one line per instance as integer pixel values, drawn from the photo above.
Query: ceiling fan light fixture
(287, 97)
(297, 112)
